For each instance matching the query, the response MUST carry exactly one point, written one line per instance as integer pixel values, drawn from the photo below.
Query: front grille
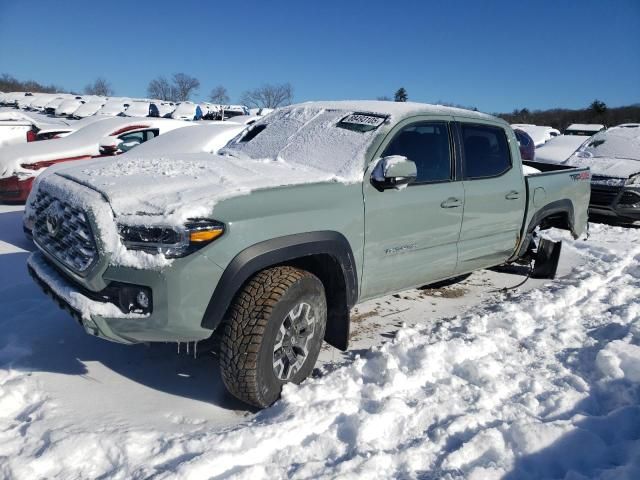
(64, 232)
(603, 195)
(629, 198)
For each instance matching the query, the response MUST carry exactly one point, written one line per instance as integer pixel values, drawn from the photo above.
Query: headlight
(634, 180)
(173, 242)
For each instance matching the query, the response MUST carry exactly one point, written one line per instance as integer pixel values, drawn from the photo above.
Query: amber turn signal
(201, 236)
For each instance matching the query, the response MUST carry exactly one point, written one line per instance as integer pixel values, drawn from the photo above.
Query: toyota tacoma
(268, 244)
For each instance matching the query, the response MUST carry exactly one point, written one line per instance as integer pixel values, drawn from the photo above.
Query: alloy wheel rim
(291, 347)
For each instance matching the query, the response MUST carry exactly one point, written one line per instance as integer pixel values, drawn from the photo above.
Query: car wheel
(272, 334)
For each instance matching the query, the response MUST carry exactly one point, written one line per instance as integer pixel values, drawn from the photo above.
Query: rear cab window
(486, 151)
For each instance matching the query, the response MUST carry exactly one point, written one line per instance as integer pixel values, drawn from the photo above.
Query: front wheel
(272, 334)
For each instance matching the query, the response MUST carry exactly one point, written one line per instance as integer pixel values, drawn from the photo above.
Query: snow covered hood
(559, 148)
(180, 186)
(612, 153)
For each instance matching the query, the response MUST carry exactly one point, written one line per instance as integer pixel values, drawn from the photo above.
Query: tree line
(561, 118)
(179, 87)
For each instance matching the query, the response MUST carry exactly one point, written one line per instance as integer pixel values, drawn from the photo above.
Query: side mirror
(394, 171)
(109, 145)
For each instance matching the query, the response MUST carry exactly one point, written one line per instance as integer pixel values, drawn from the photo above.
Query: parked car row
(80, 106)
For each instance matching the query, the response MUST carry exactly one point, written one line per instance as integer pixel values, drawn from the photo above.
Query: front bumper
(180, 295)
(14, 190)
(621, 204)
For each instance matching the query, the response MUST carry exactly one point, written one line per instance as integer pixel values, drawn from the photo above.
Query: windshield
(310, 136)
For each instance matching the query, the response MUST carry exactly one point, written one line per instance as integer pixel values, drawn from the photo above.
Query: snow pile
(542, 384)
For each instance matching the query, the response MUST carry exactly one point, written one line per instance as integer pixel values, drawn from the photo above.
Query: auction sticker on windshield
(362, 121)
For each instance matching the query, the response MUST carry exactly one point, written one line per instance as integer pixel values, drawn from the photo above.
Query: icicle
(195, 350)
(178, 347)
(187, 348)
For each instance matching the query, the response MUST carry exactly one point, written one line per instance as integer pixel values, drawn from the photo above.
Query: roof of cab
(397, 110)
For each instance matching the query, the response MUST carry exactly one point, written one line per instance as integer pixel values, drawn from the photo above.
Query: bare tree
(219, 95)
(384, 98)
(184, 85)
(268, 96)
(100, 86)
(160, 88)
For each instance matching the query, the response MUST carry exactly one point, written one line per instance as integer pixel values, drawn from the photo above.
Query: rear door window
(486, 151)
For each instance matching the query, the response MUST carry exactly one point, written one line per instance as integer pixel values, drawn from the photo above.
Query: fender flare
(553, 208)
(278, 251)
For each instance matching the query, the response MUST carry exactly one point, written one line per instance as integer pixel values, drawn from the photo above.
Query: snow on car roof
(207, 138)
(396, 109)
(559, 148)
(82, 142)
(585, 126)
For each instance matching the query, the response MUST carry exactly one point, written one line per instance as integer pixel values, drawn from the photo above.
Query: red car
(527, 147)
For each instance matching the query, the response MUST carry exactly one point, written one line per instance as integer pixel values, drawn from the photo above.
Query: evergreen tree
(401, 95)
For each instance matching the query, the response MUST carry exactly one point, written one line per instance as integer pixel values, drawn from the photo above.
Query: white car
(18, 127)
(66, 108)
(9, 99)
(20, 164)
(53, 104)
(206, 137)
(584, 129)
(560, 148)
(114, 107)
(165, 109)
(539, 134)
(41, 101)
(88, 109)
(140, 108)
(187, 111)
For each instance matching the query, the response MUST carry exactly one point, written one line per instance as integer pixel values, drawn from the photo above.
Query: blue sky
(494, 55)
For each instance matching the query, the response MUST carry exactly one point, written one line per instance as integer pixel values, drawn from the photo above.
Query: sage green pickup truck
(267, 245)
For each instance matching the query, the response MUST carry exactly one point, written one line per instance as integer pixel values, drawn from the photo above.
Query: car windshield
(310, 136)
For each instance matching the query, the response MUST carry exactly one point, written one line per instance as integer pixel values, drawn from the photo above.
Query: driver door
(411, 234)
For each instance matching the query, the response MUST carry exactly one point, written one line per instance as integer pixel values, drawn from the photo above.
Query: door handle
(451, 202)
(512, 195)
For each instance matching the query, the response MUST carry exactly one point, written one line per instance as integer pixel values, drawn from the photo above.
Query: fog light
(142, 299)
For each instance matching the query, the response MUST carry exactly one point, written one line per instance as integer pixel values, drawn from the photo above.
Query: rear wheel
(272, 334)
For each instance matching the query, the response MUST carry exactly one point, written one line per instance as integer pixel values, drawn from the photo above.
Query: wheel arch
(557, 214)
(326, 254)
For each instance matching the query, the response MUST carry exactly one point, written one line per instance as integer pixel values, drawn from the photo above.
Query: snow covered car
(584, 129)
(19, 127)
(66, 108)
(187, 111)
(114, 107)
(199, 138)
(539, 134)
(51, 107)
(89, 108)
(559, 148)
(20, 164)
(41, 101)
(269, 244)
(141, 108)
(165, 109)
(613, 156)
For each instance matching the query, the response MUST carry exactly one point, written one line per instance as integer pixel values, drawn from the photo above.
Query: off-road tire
(249, 329)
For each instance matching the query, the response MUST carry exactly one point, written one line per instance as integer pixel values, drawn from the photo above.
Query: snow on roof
(594, 127)
(208, 138)
(397, 110)
(82, 142)
(559, 148)
(538, 134)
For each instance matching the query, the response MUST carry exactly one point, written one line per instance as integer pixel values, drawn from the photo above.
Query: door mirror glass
(394, 171)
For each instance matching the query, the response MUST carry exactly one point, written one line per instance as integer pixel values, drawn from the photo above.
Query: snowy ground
(541, 382)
